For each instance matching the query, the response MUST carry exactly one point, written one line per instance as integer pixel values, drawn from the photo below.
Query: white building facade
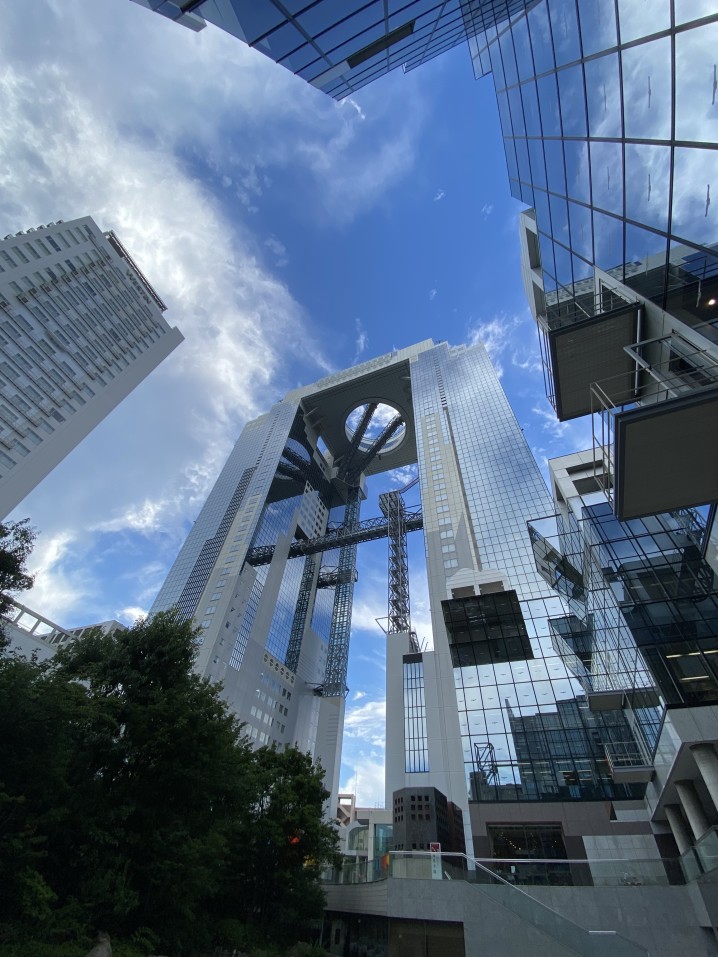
(80, 328)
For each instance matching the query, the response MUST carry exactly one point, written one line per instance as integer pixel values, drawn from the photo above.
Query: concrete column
(692, 807)
(707, 761)
(678, 827)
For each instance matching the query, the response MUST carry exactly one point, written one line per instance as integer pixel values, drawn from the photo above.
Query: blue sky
(290, 236)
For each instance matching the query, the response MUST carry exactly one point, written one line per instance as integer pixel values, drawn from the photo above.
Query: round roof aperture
(382, 415)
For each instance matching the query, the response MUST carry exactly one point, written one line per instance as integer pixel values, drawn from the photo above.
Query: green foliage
(129, 801)
(16, 541)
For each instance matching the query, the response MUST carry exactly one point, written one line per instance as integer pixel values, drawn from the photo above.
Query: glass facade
(610, 126)
(526, 730)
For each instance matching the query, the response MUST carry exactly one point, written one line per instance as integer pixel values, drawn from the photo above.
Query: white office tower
(268, 569)
(80, 328)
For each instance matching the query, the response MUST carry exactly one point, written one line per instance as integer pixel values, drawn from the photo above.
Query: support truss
(367, 531)
(300, 615)
(335, 675)
(392, 505)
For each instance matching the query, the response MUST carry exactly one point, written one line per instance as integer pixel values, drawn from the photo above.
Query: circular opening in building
(381, 416)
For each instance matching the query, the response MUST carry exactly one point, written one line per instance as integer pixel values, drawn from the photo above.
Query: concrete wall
(662, 920)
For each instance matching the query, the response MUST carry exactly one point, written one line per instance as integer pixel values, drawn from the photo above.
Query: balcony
(627, 764)
(657, 436)
(584, 340)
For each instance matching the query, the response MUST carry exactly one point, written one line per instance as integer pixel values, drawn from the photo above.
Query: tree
(16, 541)
(277, 857)
(169, 771)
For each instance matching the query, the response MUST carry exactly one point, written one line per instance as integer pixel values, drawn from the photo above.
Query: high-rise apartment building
(80, 328)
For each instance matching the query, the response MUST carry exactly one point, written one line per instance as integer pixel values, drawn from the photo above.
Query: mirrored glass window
(564, 28)
(577, 179)
(695, 213)
(538, 166)
(541, 206)
(522, 48)
(696, 84)
(603, 94)
(548, 100)
(598, 25)
(517, 111)
(531, 108)
(541, 38)
(573, 102)
(637, 18)
(607, 175)
(556, 175)
(564, 275)
(509, 60)
(497, 65)
(647, 184)
(559, 218)
(608, 242)
(547, 261)
(647, 90)
(644, 251)
(522, 158)
(687, 10)
(581, 229)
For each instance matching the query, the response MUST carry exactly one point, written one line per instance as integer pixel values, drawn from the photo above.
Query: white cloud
(202, 112)
(367, 722)
(439, 195)
(277, 247)
(361, 342)
(366, 779)
(432, 294)
(487, 209)
(358, 695)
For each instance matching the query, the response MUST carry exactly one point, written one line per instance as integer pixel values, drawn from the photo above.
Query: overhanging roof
(592, 351)
(666, 455)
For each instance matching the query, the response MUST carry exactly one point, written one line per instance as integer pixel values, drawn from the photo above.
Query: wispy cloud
(277, 247)
(432, 294)
(361, 342)
(439, 195)
(487, 209)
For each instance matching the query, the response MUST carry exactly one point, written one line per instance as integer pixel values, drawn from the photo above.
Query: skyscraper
(268, 573)
(80, 328)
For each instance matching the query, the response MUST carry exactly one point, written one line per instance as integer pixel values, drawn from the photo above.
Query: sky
(290, 236)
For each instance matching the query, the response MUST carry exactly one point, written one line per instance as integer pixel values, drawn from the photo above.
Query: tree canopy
(131, 802)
